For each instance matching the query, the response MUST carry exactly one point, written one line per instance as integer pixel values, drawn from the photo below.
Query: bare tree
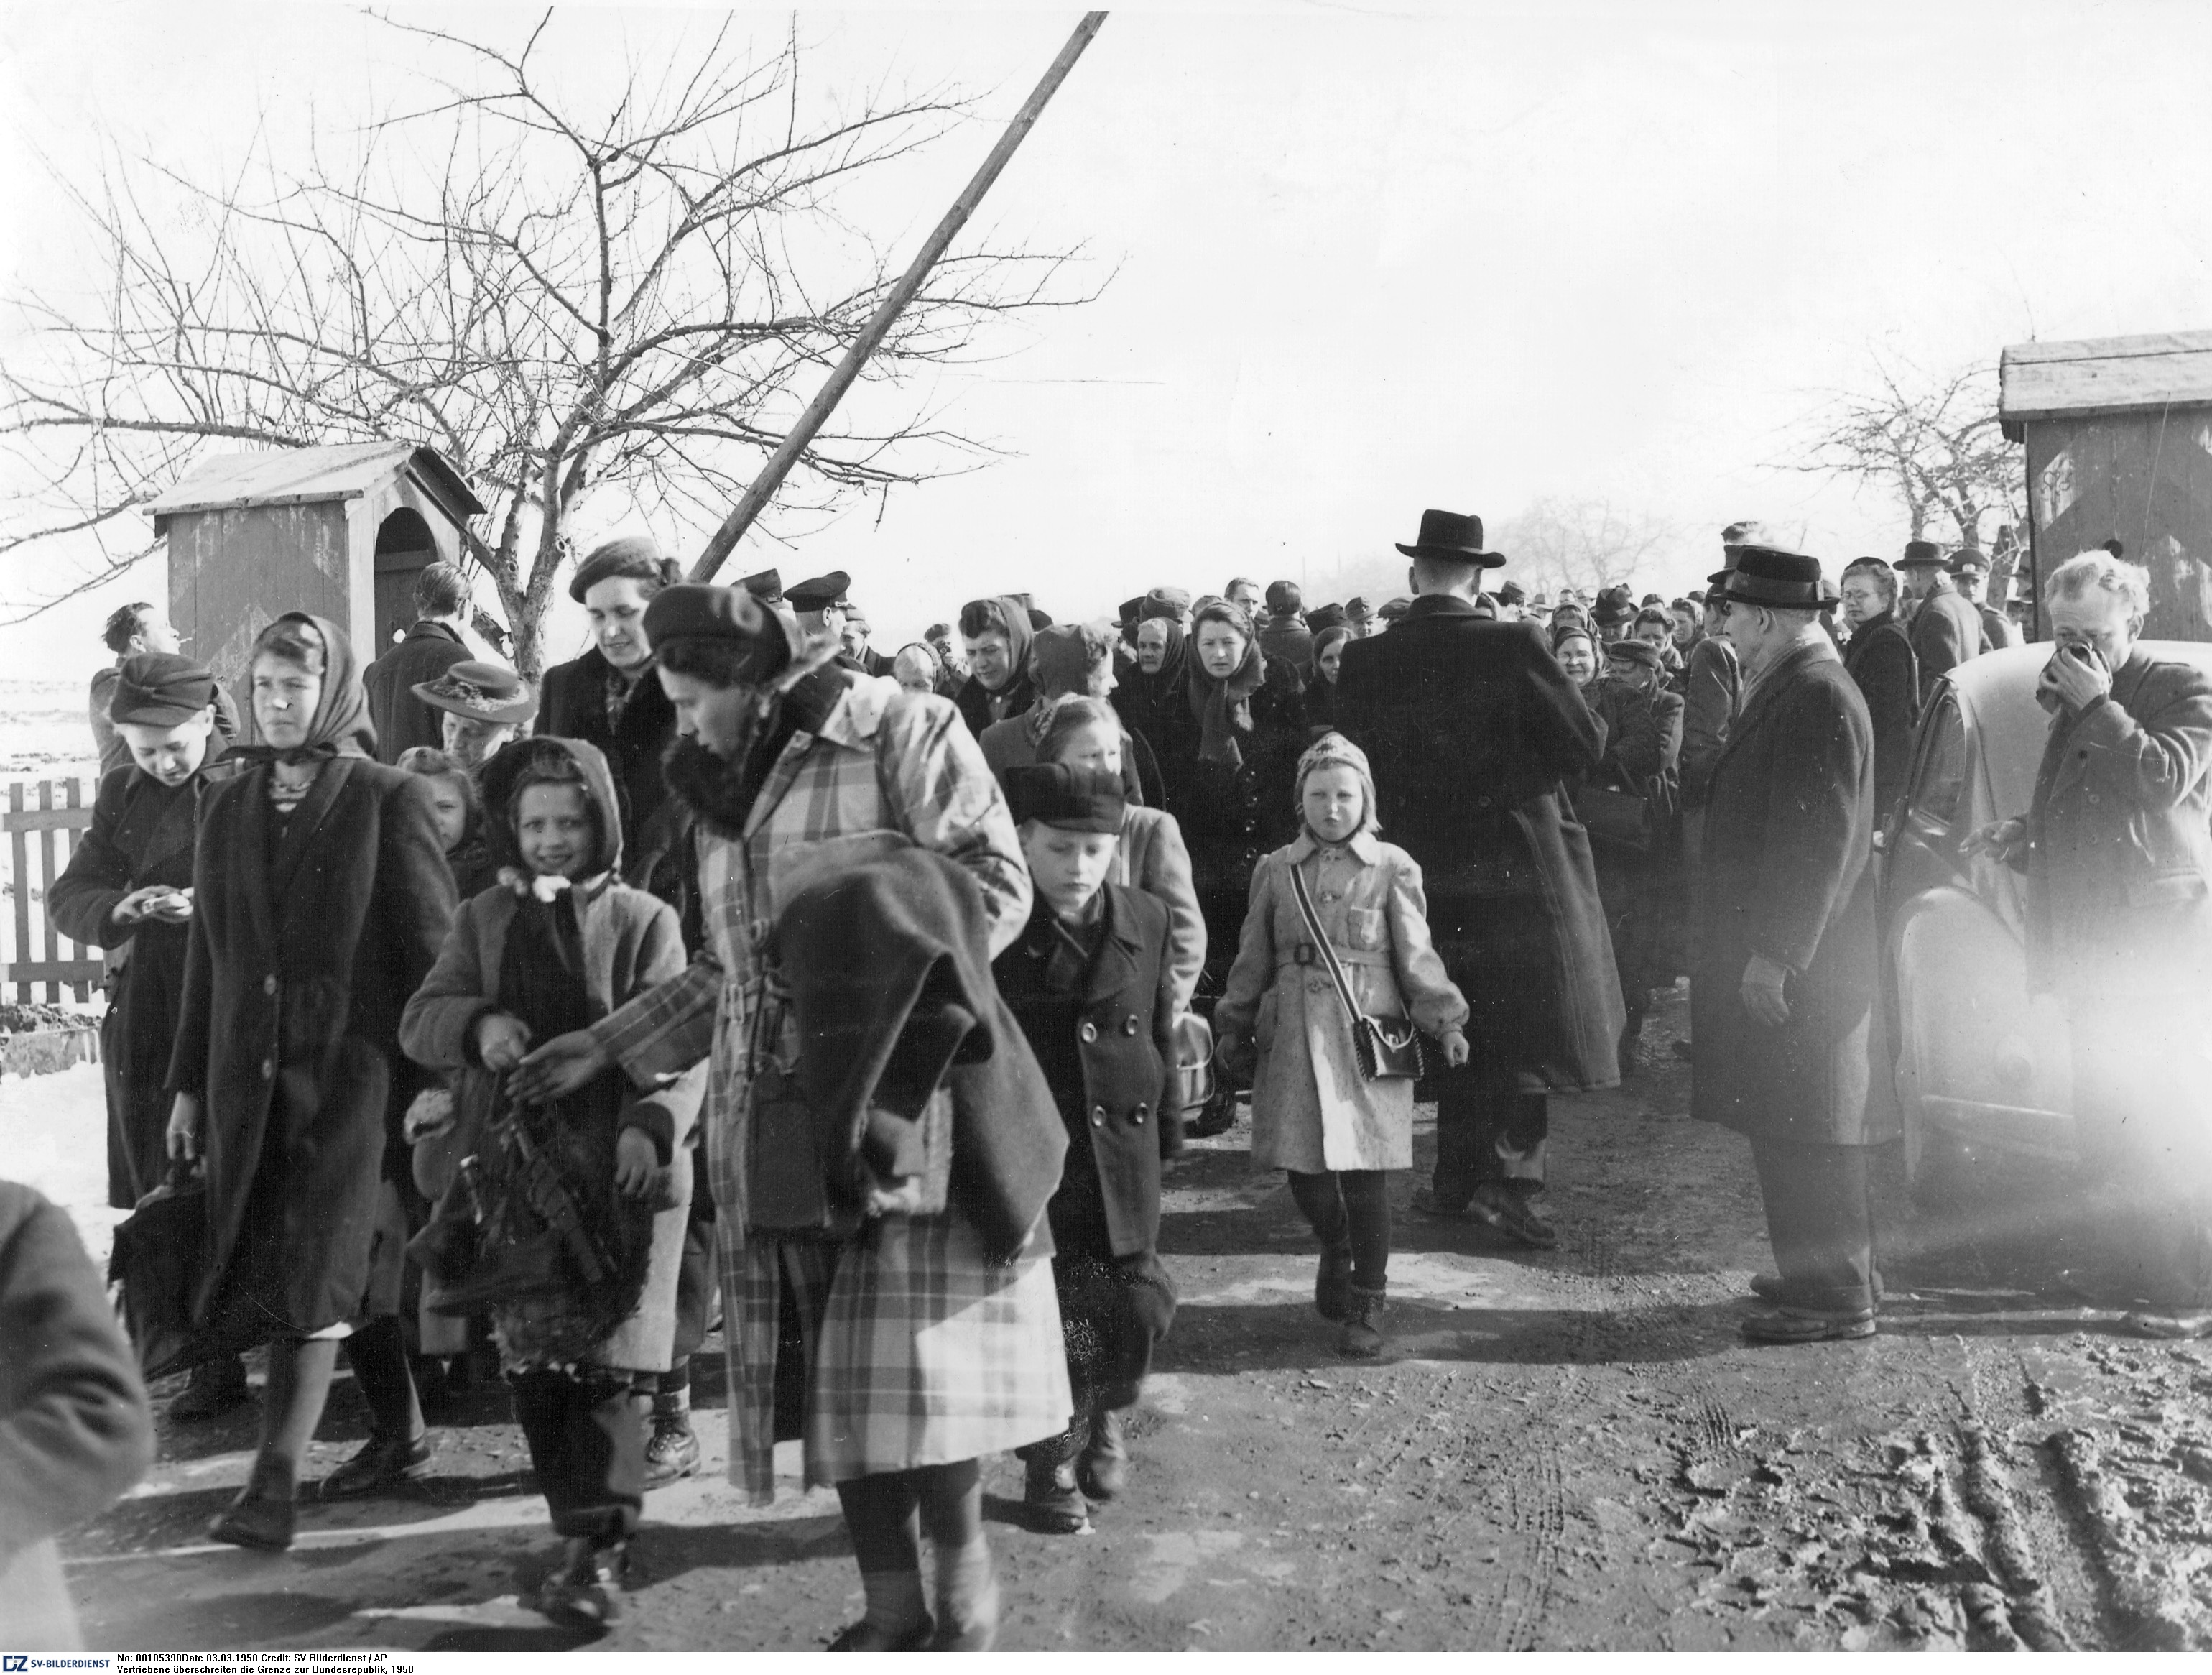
(559, 298)
(1932, 442)
(1584, 543)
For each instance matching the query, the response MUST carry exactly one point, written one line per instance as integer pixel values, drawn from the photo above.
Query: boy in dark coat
(128, 888)
(1090, 980)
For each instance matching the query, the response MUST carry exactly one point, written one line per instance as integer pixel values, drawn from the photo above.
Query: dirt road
(1570, 1450)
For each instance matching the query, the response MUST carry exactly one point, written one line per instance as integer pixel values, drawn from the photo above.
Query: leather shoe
(1798, 1326)
(1505, 1209)
(1050, 1496)
(254, 1520)
(586, 1591)
(1103, 1472)
(672, 1450)
(1768, 1288)
(864, 1636)
(382, 1463)
(216, 1387)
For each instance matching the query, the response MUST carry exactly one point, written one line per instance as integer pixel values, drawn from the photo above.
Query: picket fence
(56, 814)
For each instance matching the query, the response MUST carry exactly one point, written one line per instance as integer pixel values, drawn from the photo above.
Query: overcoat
(1117, 1090)
(1470, 725)
(2119, 856)
(143, 834)
(1878, 656)
(302, 955)
(655, 827)
(1946, 632)
(402, 720)
(1311, 1108)
(1789, 836)
(76, 1431)
(1712, 687)
(1151, 857)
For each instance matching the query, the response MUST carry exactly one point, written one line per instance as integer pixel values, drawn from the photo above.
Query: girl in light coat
(1314, 1114)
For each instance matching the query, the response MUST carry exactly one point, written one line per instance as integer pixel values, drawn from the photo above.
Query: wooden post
(825, 401)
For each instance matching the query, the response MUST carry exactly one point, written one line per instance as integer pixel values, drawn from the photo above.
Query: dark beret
(697, 611)
(638, 557)
(1325, 616)
(817, 592)
(1635, 651)
(1061, 795)
(766, 586)
(159, 689)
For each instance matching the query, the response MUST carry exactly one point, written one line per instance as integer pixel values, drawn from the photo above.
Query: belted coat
(1789, 838)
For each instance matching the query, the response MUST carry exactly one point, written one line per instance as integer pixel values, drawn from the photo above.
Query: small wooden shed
(339, 531)
(2119, 432)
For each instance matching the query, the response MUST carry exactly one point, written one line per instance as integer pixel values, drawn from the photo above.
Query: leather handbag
(1385, 1047)
(1617, 819)
(160, 1254)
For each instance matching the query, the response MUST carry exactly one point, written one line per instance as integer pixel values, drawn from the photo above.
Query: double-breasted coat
(304, 950)
(1471, 726)
(1789, 836)
(1878, 656)
(1312, 1109)
(142, 835)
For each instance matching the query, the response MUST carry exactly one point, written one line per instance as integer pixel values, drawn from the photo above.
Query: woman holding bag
(1316, 1114)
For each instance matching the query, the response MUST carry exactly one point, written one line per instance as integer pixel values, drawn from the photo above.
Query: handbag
(1385, 1047)
(1618, 820)
(160, 1253)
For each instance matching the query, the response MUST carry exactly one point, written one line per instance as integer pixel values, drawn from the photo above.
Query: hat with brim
(1918, 553)
(1356, 609)
(1967, 562)
(1768, 576)
(817, 592)
(1452, 538)
(766, 586)
(480, 692)
(159, 689)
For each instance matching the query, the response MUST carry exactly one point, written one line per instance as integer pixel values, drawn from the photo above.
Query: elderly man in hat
(1783, 1001)
(2117, 852)
(432, 646)
(1970, 574)
(1944, 629)
(1471, 726)
(481, 707)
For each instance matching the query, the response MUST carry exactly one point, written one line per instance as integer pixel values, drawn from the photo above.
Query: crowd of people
(513, 1025)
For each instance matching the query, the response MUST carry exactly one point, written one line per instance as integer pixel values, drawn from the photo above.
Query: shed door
(403, 548)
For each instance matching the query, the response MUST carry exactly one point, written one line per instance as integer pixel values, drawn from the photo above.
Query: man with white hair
(2119, 859)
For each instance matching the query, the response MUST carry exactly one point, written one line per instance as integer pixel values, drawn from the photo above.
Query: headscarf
(1224, 708)
(1333, 750)
(342, 726)
(1010, 616)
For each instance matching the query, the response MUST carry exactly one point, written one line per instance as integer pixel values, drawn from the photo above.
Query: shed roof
(299, 476)
(2103, 376)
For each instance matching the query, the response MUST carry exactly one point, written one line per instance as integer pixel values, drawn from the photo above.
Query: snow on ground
(53, 1136)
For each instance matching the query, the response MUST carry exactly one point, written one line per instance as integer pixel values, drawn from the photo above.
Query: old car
(1983, 1071)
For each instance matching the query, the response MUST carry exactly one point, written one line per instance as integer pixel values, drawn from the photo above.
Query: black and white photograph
(1335, 826)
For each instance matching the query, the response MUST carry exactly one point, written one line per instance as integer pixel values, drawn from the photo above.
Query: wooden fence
(38, 954)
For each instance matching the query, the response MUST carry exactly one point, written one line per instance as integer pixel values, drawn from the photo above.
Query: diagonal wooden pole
(910, 285)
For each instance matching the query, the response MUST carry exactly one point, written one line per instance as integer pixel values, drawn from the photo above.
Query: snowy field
(53, 1136)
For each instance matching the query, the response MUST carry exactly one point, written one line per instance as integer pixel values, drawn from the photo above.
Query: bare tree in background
(1586, 544)
(558, 299)
(1932, 443)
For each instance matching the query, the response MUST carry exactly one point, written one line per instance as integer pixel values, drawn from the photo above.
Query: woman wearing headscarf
(128, 889)
(1230, 786)
(320, 898)
(996, 633)
(1151, 700)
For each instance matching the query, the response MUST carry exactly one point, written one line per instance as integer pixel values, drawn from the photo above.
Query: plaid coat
(884, 761)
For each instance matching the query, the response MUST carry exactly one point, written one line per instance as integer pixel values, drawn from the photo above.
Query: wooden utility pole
(910, 285)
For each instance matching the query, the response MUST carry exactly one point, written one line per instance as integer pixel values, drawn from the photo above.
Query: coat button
(268, 985)
(1129, 1024)
(1089, 1031)
(1141, 1110)
(1097, 1116)
(268, 1070)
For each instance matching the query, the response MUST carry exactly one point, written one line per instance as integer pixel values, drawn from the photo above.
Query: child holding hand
(558, 942)
(1315, 1114)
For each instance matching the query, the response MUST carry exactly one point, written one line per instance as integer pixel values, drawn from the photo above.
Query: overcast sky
(1365, 260)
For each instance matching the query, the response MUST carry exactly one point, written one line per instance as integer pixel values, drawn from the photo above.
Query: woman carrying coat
(320, 897)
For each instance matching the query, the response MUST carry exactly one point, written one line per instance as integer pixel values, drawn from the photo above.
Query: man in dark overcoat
(1783, 1000)
(2116, 846)
(432, 646)
(1946, 630)
(1878, 657)
(1970, 574)
(1470, 725)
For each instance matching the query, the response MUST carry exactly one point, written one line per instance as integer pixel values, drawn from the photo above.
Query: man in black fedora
(1784, 1003)
(1945, 630)
(1470, 724)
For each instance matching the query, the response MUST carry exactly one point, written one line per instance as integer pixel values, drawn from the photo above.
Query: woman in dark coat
(321, 896)
(1151, 698)
(128, 889)
(1230, 785)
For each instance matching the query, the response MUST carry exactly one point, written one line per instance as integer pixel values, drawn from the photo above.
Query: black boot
(1049, 1493)
(672, 1451)
(1102, 1472)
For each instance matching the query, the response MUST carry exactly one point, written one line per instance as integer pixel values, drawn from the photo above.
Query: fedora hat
(480, 692)
(1921, 552)
(1452, 538)
(1768, 576)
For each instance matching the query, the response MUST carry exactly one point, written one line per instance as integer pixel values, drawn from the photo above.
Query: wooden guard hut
(2119, 432)
(341, 531)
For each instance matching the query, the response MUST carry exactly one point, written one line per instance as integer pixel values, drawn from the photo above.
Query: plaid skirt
(919, 1352)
